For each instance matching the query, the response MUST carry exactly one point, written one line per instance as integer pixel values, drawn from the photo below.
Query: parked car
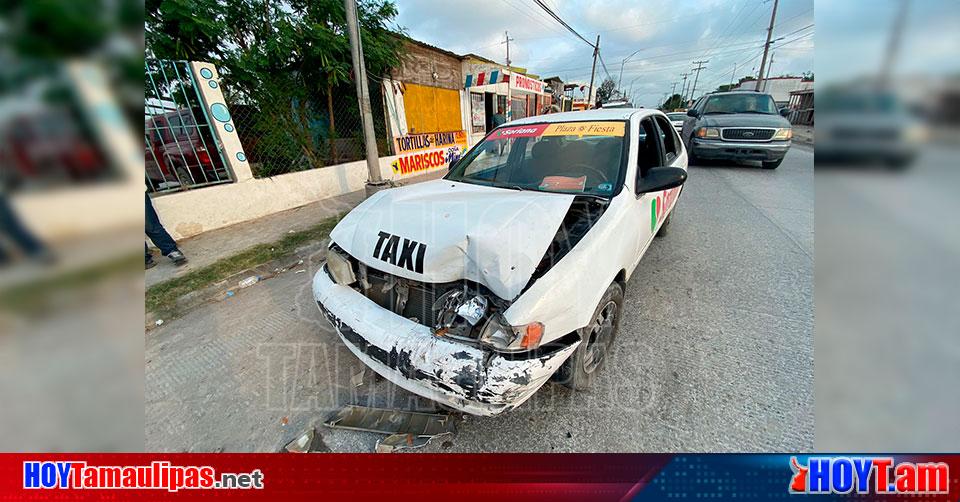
(677, 119)
(180, 152)
(41, 145)
(475, 289)
(737, 126)
(866, 125)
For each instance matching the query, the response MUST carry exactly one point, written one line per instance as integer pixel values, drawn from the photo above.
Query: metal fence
(287, 124)
(181, 150)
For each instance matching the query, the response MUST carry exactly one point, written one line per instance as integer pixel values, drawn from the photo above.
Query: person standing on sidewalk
(499, 118)
(154, 229)
(13, 231)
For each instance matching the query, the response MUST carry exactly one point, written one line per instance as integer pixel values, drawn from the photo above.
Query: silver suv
(737, 125)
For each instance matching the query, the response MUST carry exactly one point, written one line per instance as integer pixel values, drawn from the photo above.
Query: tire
(691, 157)
(579, 371)
(773, 164)
(666, 223)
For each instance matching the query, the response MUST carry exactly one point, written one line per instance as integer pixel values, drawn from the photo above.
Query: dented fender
(470, 378)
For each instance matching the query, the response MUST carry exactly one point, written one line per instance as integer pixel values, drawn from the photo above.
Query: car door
(690, 123)
(674, 155)
(649, 155)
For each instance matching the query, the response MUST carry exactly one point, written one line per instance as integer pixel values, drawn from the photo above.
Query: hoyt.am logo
(879, 475)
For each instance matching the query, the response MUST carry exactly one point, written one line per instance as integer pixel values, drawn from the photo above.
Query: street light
(620, 80)
(630, 92)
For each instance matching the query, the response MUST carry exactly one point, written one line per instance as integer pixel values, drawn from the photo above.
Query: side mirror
(784, 112)
(661, 178)
(692, 113)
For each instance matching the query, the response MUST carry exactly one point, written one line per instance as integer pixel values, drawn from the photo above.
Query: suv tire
(773, 164)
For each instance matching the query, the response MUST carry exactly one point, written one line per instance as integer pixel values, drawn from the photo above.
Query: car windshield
(569, 157)
(677, 116)
(740, 103)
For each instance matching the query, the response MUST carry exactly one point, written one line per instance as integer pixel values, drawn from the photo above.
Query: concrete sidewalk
(209, 247)
(803, 134)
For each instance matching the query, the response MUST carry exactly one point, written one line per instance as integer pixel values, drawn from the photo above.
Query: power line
(755, 45)
(561, 21)
(693, 93)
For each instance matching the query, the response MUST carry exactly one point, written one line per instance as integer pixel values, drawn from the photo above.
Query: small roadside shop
(488, 91)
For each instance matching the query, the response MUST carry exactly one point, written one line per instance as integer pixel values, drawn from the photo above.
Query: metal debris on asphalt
(396, 442)
(357, 379)
(385, 421)
(303, 443)
(300, 271)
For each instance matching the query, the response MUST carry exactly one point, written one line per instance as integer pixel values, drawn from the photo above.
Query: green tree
(286, 60)
(672, 103)
(605, 91)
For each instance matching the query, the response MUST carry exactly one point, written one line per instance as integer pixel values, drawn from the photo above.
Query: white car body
(442, 231)
(677, 119)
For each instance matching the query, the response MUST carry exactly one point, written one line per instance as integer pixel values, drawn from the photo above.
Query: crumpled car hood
(443, 231)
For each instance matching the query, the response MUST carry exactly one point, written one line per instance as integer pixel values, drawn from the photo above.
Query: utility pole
(893, 45)
(769, 69)
(509, 111)
(683, 89)
(766, 46)
(596, 52)
(374, 182)
(733, 75)
(693, 93)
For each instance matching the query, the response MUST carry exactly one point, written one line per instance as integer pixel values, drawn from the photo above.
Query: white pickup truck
(475, 289)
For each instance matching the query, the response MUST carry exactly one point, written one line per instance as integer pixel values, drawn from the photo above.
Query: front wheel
(772, 164)
(691, 157)
(579, 371)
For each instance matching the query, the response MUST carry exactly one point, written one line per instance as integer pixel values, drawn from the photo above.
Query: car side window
(668, 137)
(648, 147)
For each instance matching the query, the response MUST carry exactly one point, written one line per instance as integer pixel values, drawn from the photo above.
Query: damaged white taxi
(475, 289)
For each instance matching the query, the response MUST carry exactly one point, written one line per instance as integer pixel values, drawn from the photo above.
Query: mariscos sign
(426, 152)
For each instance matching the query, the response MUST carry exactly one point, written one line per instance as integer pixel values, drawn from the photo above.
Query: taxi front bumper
(465, 377)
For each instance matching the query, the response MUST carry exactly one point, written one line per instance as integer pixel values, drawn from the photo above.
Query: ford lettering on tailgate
(390, 250)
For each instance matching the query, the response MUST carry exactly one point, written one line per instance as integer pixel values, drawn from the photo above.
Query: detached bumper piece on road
(459, 375)
(730, 150)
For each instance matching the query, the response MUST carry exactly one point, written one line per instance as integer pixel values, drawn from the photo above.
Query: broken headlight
(339, 267)
(501, 336)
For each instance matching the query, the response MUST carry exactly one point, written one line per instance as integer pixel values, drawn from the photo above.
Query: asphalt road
(715, 351)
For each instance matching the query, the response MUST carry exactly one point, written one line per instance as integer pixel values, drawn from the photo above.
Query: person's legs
(11, 227)
(154, 229)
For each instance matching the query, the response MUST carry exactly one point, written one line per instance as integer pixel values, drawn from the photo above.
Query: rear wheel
(772, 164)
(666, 223)
(579, 371)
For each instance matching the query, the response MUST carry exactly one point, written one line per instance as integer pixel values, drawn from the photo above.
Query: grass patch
(35, 297)
(161, 298)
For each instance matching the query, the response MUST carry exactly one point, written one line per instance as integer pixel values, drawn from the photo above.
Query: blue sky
(852, 36)
(670, 34)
